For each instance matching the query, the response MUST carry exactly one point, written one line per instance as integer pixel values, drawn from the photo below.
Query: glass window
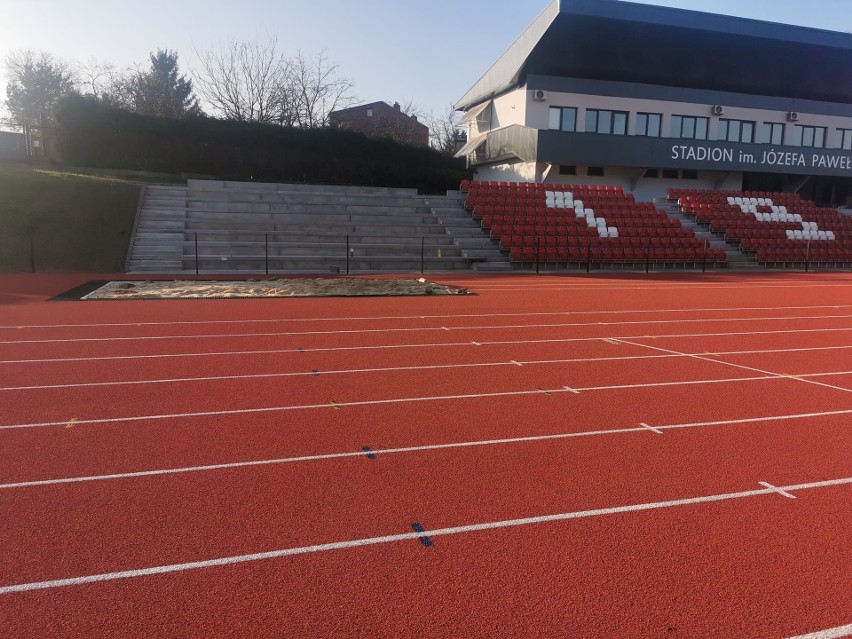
(607, 122)
(595, 171)
(649, 124)
(736, 131)
(772, 133)
(604, 121)
(810, 136)
(563, 119)
(689, 127)
(846, 139)
(670, 174)
(567, 169)
(369, 113)
(555, 122)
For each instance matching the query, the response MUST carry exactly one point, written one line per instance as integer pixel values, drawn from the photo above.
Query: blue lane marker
(370, 453)
(423, 538)
(316, 373)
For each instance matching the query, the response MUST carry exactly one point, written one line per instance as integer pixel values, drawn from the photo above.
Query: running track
(664, 456)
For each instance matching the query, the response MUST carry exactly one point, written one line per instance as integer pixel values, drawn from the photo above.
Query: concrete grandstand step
(304, 228)
(216, 185)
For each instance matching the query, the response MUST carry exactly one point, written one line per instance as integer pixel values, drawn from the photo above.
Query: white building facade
(647, 98)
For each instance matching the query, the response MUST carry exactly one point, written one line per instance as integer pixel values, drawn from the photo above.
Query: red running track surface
(688, 477)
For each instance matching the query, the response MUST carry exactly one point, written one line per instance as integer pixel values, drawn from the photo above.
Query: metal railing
(272, 253)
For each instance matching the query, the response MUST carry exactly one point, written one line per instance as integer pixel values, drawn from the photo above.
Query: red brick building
(380, 118)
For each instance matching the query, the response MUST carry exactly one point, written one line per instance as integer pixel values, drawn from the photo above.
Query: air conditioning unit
(539, 96)
(793, 116)
(718, 110)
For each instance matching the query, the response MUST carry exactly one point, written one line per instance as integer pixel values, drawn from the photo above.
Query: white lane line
(653, 429)
(421, 329)
(799, 378)
(516, 363)
(830, 633)
(411, 536)
(410, 400)
(415, 449)
(403, 346)
(781, 492)
(290, 320)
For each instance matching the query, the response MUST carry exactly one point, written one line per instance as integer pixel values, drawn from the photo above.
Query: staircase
(225, 227)
(736, 260)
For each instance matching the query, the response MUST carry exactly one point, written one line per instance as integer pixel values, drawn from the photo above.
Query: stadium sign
(558, 147)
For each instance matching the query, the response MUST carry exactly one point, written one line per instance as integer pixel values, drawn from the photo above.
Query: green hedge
(92, 134)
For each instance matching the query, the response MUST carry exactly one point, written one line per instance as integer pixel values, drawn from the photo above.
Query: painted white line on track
(830, 633)
(653, 429)
(423, 448)
(420, 329)
(783, 493)
(411, 400)
(800, 378)
(290, 320)
(403, 346)
(411, 536)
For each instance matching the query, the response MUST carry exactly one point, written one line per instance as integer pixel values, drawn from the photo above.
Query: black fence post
(704, 259)
(347, 255)
(589, 257)
(196, 252)
(648, 256)
(808, 256)
(422, 254)
(266, 250)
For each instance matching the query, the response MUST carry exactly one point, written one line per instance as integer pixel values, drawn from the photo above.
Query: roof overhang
(626, 42)
(475, 112)
(471, 146)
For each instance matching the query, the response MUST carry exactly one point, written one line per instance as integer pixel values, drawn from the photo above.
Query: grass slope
(72, 221)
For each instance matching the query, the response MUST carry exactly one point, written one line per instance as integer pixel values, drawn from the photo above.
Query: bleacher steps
(306, 227)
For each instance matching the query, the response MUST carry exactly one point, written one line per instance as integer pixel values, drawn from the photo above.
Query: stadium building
(650, 98)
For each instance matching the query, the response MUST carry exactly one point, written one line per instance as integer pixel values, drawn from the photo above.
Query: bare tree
(96, 78)
(246, 81)
(445, 130)
(319, 89)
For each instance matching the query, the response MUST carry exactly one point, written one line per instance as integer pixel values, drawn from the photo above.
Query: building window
(689, 175)
(595, 171)
(607, 122)
(690, 127)
(563, 119)
(650, 124)
(736, 131)
(810, 136)
(772, 133)
(567, 169)
(369, 113)
(670, 174)
(651, 173)
(846, 139)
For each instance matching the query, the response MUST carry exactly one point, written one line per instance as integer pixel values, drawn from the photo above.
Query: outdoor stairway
(737, 260)
(297, 228)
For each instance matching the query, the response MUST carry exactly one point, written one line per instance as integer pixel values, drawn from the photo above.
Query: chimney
(414, 117)
(396, 106)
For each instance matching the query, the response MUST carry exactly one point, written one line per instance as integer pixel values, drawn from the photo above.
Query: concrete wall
(509, 172)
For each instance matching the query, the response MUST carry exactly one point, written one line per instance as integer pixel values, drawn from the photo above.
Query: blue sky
(429, 52)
